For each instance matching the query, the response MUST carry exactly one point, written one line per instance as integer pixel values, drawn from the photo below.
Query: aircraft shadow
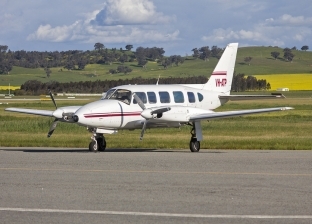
(109, 150)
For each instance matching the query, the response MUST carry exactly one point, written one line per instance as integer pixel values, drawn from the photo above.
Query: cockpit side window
(142, 96)
(122, 95)
(108, 94)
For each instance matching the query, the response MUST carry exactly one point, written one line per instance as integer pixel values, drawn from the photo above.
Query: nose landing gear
(98, 143)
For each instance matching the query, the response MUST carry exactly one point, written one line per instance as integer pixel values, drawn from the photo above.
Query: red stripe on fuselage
(111, 115)
(219, 73)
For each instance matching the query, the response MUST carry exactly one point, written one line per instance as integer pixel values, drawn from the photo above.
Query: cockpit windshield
(122, 95)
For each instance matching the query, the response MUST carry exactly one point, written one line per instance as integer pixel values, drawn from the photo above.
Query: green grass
(261, 63)
(288, 130)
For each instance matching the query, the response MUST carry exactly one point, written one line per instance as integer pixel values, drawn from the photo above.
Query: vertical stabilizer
(221, 78)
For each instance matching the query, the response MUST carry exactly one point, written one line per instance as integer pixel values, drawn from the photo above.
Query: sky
(177, 26)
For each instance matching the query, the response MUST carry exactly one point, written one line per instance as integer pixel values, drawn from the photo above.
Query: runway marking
(157, 214)
(159, 171)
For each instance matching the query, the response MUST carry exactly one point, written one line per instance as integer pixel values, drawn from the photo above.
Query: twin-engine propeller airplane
(156, 106)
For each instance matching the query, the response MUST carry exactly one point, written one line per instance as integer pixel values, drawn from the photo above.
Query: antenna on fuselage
(157, 80)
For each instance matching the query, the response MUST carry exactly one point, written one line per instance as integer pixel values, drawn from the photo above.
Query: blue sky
(176, 25)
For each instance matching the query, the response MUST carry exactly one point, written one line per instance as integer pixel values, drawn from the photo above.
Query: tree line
(34, 87)
(241, 83)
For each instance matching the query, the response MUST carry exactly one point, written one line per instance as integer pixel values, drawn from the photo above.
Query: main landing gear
(196, 133)
(97, 143)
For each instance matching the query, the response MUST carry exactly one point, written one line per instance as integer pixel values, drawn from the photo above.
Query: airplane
(157, 106)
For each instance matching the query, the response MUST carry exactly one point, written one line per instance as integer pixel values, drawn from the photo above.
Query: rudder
(222, 76)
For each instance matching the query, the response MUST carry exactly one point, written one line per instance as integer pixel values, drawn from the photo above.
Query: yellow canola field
(9, 87)
(291, 81)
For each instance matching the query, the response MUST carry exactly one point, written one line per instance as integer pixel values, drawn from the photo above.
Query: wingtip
(288, 108)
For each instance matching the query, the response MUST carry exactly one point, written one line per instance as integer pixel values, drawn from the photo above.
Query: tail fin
(221, 78)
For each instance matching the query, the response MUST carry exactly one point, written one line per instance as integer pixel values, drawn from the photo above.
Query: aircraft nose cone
(75, 118)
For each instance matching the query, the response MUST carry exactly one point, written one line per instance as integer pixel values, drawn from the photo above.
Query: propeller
(51, 95)
(148, 113)
(141, 104)
(53, 125)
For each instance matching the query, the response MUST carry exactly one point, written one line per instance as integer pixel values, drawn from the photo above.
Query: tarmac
(72, 185)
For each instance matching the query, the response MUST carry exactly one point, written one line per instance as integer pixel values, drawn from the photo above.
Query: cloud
(272, 31)
(289, 20)
(228, 34)
(119, 21)
(242, 5)
(129, 12)
(10, 22)
(56, 34)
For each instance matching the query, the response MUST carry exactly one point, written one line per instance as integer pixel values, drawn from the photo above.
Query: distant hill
(262, 63)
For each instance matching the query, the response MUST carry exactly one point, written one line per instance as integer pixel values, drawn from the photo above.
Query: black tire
(101, 144)
(194, 145)
(92, 147)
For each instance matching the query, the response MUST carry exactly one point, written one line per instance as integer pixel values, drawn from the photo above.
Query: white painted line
(158, 214)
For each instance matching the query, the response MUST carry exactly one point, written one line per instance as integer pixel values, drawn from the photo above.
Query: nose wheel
(98, 143)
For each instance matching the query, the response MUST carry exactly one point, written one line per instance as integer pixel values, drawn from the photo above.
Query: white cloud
(56, 34)
(242, 5)
(273, 31)
(228, 35)
(289, 20)
(122, 12)
(120, 21)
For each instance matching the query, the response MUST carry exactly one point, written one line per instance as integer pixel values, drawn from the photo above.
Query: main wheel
(101, 144)
(194, 145)
(93, 147)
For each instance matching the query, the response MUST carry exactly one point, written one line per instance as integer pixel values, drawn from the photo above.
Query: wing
(48, 113)
(251, 97)
(58, 113)
(225, 114)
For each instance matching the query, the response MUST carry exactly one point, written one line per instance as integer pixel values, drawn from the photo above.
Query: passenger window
(142, 96)
(151, 97)
(200, 97)
(178, 97)
(191, 97)
(164, 97)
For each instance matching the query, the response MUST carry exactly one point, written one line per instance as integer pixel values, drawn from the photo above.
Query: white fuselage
(114, 114)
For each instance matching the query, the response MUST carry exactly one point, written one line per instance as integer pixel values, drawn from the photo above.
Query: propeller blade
(51, 95)
(143, 130)
(161, 110)
(139, 101)
(52, 128)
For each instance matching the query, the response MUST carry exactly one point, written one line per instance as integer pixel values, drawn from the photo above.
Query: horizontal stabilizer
(225, 114)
